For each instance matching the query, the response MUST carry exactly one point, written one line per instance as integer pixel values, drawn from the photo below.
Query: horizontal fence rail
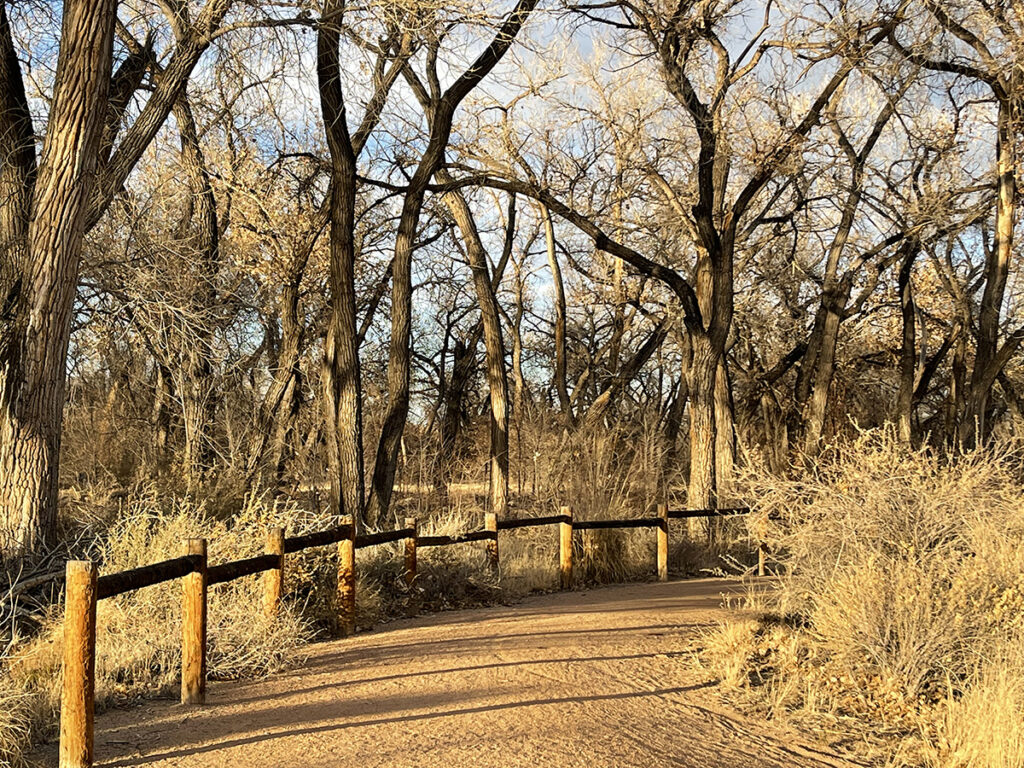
(144, 576)
(684, 514)
(219, 574)
(531, 522)
(462, 538)
(637, 522)
(318, 539)
(83, 589)
(384, 537)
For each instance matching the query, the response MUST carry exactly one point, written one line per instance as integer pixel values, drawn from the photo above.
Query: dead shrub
(902, 574)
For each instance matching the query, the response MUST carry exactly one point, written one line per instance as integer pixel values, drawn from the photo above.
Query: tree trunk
(463, 368)
(974, 429)
(490, 318)
(908, 350)
(17, 177)
(725, 428)
(200, 230)
(279, 403)
(344, 422)
(399, 357)
(701, 493)
(163, 395)
(32, 380)
(560, 319)
(674, 418)
(824, 370)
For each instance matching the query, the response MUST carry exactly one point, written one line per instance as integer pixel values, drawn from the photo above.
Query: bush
(900, 609)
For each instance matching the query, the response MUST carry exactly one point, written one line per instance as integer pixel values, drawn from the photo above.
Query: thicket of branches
(357, 252)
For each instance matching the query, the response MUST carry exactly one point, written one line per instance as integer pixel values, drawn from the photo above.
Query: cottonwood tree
(445, 101)
(981, 42)
(702, 76)
(47, 206)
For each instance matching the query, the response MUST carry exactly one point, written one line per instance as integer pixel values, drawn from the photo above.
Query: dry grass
(16, 721)
(896, 627)
(138, 648)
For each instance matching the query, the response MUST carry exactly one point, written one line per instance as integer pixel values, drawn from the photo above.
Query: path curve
(589, 678)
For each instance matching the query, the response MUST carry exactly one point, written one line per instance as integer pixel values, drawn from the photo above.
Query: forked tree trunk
(441, 112)
(32, 378)
(490, 319)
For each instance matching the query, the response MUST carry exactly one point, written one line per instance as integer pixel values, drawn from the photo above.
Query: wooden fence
(83, 588)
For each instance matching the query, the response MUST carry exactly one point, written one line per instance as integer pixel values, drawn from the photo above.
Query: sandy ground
(596, 678)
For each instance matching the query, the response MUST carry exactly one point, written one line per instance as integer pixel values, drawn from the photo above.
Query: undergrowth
(897, 628)
(138, 635)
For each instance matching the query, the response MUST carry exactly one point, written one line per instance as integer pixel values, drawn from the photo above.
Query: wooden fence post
(663, 542)
(412, 604)
(273, 580)
(762, 546)
(491, 524)
(565, 550)
(79, 681)
(410, 551)
(193, 627)
(347, 579)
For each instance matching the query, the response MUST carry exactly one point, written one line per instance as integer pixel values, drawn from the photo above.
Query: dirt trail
(585, 679)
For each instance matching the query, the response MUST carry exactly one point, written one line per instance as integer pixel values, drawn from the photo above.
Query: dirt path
(585, 679)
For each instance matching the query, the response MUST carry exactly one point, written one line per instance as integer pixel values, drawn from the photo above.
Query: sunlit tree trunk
(701, 492)
(974, 428)
(32, 361)
(560, 319)
(908, 351)
(490, 319)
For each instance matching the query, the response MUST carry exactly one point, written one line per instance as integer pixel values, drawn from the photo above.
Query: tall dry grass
(138, 634)
(898, 619)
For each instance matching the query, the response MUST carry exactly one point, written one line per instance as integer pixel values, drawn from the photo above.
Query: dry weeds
(896, 629)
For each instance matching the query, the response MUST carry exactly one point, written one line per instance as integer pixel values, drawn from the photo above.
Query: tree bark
(908, 350)
(32, 383)
(17, 178)
(974, 429)
(490, 318)
(824, 370)
(342, 375)
(701, 492)
(725, 426)
(560, 319)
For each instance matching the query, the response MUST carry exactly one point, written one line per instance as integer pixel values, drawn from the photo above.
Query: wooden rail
(83, 589)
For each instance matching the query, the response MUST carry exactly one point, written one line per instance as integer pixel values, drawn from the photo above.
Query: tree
(45, 220)
(980, 41)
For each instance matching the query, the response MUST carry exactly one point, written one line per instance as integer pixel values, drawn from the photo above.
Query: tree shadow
(314, 712)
